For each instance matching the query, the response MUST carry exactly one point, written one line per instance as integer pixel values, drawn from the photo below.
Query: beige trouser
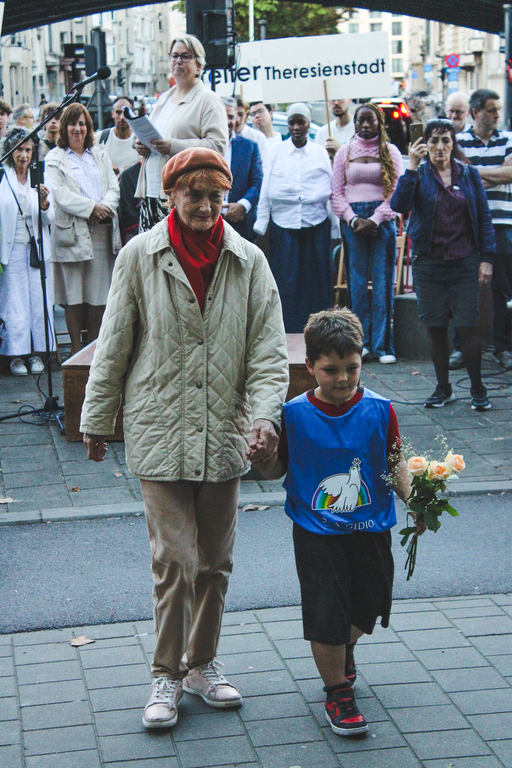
(191, 527)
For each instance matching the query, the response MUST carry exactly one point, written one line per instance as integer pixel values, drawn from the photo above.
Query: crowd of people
(190, 318)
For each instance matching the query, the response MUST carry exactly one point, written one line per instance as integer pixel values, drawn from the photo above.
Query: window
(50, 38)
(396, 65)
(396, 28)
(353, 29)
(63, 39)
(375, 15)
(396, 46)
(79, 38)
(396, 14)
(375, 27)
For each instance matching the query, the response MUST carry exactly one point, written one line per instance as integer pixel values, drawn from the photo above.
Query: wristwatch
(353, 222)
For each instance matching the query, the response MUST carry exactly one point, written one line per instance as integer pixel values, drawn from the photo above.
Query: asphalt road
(92, 572)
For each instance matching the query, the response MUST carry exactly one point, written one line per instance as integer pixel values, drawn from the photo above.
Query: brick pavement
(436, 688)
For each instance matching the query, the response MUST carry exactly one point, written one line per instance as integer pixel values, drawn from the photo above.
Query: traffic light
(213, 22)
(121, 78)
(83, 59)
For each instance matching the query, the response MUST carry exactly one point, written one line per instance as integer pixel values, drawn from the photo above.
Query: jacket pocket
(65, 234)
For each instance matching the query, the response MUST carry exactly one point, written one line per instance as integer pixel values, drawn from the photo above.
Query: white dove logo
(344, 488)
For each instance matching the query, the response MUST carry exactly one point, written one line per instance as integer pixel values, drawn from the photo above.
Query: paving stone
(380, 635)
(382, 736)
(489, 625)
(438, 718)
(112, 657)
(400, 757)
(53, 672)
(502, 663)
(370, 707)
(495, 726)
(9, 733)
(16, 480)
(10, 757)
(248, 629)
(239, 618)
(8, 708)
(42, 654)
(395, 672)
(272, 707)
(452, 680)
(297, 730)
(472, 613)
(5, 650)
(264, 683)
(75, 738)
(302, 668)
(129, 697)
(412, 606)
(419, 620)
(485, 761)
(244, 644)
(156, 762)
(214, 724)
(452, 658)
(458, 603)
(117, 722)
(411, 695)
(293, 649)
(86, 467)
(85, 759)
(56, 715)
(291, 613)
(133, 746)
(310, 755)
(6, 666)
(7, 688)
(461, 743)
(35, 497)
(210, 752)
(503, 750)
(42, 637)
(116, 677)
(475, 702)
(494, 645)
(382, 652)
(101, 643)
(284, 630)
(503, 599)
(86, 482)
(52, 693)
(96, 495)
(433, 639)
(260, 661)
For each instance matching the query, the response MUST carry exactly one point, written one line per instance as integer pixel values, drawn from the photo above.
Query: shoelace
(164, 689)
(212, 673)
(344, 706)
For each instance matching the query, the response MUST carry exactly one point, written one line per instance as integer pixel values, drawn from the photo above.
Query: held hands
(417, 152)
(142, 149)
(99, 212)
(234, 213)
(366, 227)
(263, 443)
(332, 146)
(96, 447)
(484, 272)
(161, 146)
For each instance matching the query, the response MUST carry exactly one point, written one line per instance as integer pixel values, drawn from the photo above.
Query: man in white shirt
(118, 140)
(262, 120)
(457, 110)
(342, 127)
(244, 130)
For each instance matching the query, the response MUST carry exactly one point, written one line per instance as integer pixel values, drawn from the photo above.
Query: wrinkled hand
(264, 441)
(99, 212)
(332, 146)
(484, 272)
(161, 146)
(417, 152)
(234, 213)
(43, 196)
(142, 149)
(366, 228)
(96, 447)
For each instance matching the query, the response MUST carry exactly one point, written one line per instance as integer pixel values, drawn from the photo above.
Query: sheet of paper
(143, 128)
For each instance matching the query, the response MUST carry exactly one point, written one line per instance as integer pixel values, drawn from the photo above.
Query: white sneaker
(365, 352)
(162, 708)
(208, 682)
(18, 367)
(387, 359)
(36, 364)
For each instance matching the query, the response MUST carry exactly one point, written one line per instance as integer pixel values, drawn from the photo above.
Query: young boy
(339, 441)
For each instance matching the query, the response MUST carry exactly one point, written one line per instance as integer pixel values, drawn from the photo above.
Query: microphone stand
(51, 410)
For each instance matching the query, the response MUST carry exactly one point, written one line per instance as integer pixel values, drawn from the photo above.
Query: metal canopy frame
(484, 15)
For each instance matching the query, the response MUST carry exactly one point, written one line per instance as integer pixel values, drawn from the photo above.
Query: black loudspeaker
(213, 22)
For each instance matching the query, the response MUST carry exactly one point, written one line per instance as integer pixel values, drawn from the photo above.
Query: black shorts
(344, 580)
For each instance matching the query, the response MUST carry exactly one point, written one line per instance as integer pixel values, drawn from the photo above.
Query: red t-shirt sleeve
(393, 441)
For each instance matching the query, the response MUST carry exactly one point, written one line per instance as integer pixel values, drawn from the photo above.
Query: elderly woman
(193, 337)
(364, 177)
(188, 115)
(21, 294)
(294, 195)
(85, 237)
(453, 246)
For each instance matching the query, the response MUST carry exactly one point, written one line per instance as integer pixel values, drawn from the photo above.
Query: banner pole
(327, 110)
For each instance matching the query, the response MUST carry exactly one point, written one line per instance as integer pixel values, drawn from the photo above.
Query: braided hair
(386, 162)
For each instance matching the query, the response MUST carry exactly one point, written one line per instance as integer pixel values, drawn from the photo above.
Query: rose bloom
(439, 470)
(417, 465)
(455, 461)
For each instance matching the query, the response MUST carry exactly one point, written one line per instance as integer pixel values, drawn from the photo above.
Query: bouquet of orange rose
(427, 501)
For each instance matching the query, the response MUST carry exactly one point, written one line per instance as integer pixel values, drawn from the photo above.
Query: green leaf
(451, 511)
(407, 531)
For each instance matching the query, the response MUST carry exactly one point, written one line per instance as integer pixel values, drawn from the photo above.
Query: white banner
(294, 68)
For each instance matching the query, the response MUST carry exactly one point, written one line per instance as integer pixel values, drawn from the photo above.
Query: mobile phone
(34, 174)
(417, 131)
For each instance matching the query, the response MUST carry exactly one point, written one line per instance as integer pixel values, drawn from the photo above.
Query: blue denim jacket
(416, 192)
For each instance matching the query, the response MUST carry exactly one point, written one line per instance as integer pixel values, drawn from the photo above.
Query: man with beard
(118, 140)
(342, 127)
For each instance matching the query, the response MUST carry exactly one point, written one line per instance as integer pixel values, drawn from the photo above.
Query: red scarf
(198, 252)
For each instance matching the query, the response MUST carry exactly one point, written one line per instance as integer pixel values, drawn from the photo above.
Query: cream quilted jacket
(192, 382)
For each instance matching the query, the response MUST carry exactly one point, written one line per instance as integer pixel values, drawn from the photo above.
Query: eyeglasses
(185, 57)
(456, 112)
(257, 112)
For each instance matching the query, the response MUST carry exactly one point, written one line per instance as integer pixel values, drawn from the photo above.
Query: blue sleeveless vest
(334, 482)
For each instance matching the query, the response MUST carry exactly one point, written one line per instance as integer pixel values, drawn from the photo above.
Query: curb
(135, 509)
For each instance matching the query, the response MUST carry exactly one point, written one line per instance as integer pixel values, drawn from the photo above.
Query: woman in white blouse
(187, 115)
(85, 236)
(294, 195)
(21, 293)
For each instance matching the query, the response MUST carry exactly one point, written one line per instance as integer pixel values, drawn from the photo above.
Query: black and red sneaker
(341, 711)
(350, 665)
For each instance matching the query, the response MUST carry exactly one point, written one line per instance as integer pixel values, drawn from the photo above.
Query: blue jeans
(372, 258)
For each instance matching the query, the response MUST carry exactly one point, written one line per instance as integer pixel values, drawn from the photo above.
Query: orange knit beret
(194, 159)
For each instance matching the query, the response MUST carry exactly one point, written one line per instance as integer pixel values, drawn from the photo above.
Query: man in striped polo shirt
(490, 150)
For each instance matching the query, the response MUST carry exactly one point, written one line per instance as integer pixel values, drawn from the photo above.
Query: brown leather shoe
(208, 682)
(162, 708)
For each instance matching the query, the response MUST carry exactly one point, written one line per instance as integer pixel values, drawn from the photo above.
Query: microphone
(103, 73)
